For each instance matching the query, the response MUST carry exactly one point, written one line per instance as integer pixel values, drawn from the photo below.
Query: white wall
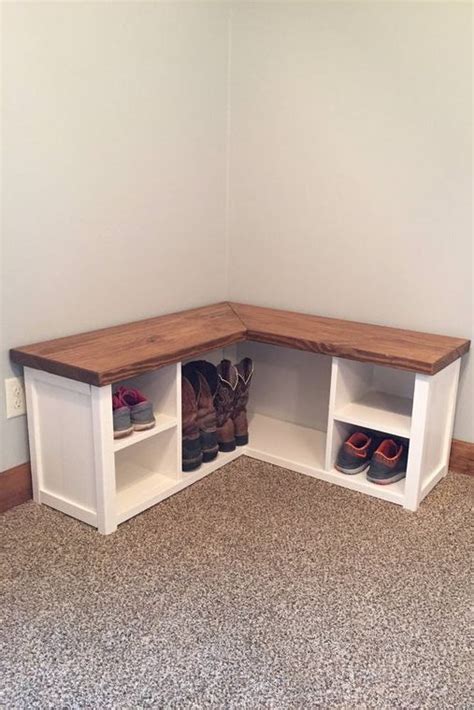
(113, 169)
(350, 177)
(349, 166)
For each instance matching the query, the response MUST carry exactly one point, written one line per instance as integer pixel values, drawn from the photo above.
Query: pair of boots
(214, 409)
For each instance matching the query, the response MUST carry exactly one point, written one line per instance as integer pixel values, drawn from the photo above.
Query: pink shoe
(122, 420)
(141, 409)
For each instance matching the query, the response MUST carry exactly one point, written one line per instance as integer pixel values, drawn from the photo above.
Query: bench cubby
(288, 407)
(373, 396)
(393, 493)
(316, 380)
(161, 388)
(144, 472)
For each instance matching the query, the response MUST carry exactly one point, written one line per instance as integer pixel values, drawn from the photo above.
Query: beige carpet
(255, 588)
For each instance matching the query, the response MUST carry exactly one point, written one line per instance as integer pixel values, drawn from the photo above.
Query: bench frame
(79, 469)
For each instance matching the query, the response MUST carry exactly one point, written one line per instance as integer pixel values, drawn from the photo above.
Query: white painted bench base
(79, 469)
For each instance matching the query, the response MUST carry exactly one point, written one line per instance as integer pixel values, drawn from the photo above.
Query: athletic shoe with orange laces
(389, 463)
(356, 452)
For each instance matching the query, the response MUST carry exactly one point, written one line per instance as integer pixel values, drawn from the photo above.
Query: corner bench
(400, 382)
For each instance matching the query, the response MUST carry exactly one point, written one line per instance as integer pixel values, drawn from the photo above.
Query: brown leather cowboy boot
(192, 455)
(203, 377)
(241, 428)
(224, 403)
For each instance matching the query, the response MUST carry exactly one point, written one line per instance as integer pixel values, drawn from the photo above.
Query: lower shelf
(394, 492)
(138, 488)
(303, 450)
(291, 446)
(379, 411)
(286, 444)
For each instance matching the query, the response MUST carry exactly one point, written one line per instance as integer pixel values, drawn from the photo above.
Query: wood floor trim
(462, 457)
(15, 483)
(15, 486)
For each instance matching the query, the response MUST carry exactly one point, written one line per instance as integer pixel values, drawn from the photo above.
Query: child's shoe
(141, 409)
(122, 420)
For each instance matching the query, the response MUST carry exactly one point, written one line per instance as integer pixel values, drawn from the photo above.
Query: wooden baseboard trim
(462, 457)
(15, 486)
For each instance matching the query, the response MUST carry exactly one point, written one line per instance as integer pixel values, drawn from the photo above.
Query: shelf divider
(163, 423)
(379, 411)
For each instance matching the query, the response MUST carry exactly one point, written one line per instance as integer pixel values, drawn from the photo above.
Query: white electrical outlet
(15, 397)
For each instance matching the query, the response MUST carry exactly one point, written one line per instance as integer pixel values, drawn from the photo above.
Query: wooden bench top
(109, 355)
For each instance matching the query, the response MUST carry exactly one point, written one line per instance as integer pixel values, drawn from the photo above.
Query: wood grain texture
(403, 349)
(112, 354)
(15, 486)
(462, 457)
(109, 355)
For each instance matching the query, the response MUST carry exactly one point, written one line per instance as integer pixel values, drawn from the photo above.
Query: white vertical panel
(440, 418)
(349, 381)
(33, 432)
(416, 454)
(63, 425)
(452, 372)
(329, 460)
(179, 417)
(103, 458)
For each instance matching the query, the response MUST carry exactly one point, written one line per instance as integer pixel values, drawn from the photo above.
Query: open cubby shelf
(163, 423)
(303, 406)
(379, 410)
(139, 487)
(285, 443)
(303, 449)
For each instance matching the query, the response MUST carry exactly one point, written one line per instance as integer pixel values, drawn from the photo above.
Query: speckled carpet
(255, 588)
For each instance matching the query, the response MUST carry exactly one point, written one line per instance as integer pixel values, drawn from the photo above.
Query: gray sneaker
(389, 463)
(122, 420)
(141, 409)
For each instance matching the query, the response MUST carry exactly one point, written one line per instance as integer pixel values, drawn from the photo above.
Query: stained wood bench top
(109, 355)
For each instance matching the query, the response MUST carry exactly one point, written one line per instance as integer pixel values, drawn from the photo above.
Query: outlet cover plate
(15, 397)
